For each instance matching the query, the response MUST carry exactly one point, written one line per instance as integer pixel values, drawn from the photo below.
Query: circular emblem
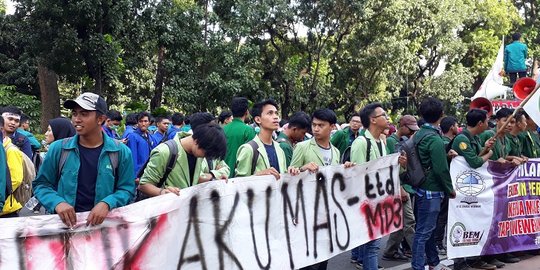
(456, 233)
(470, 183)
(462, 145)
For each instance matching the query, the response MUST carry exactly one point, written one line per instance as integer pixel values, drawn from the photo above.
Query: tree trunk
(160, 78)
(50, 96)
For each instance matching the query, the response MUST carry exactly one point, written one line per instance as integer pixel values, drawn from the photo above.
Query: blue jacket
(110, 132)
(129, 129)
(22, 142)
(515, 54)
(52, 189)
(140, 148)
(172, 132)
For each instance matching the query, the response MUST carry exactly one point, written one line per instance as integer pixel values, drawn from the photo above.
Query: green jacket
(52, 189)
(179, 176)
(237, 133)
(219, 168)
(469, 146)
(391, 143)
(501, 148)
(245, 156)
(516, 147)
(432, 155)
(531, 143)
(286, 146)
(359, 149)
(340, 139)
(308, 151)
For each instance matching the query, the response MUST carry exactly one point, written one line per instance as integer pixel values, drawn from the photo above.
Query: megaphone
(483, 104)
(523, 87)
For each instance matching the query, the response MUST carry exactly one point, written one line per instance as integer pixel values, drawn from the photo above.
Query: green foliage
(196, 55)
(136, 107)
(160, 112)
(28, 104)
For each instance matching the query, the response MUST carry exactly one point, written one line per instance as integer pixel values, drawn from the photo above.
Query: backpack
(415, 174)
(24, 192)
(346, 156)
(113, 156)
(173, 154)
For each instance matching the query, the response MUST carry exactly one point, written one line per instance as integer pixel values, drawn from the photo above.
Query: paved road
(342, 262)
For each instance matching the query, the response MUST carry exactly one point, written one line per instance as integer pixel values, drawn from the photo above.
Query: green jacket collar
(109, 144)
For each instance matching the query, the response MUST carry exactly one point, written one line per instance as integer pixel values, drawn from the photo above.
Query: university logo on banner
(496, 209)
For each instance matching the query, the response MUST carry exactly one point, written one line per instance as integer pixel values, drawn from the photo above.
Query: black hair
(223, 116)
(258, 107)
(239, 106)
(11, 109)
(131, 119)
(326, 115)
(24, 119)
(367, 111)
(447, 123)
(211, 138)
(114, 115)
(283, 122)
(519, 114)
(159, 119)
(177, 119)
(526, 115)
(200, 118)
(431, 109)
(354, 115)
(503, 113)
(516, 36)
(474, 116)
(142, 115)
(421, 122)
(300, 120)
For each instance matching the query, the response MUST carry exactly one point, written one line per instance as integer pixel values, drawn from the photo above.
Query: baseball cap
(88, 101)
(409, 121)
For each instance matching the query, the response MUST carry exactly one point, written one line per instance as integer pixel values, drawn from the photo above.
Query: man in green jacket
(516, 146)
(502, 146)
(294, 132)
(530, 139)
(345, 137)
(365, 148)
(515, 55)
(438, 184)
(237, 132)
(207, 141)
(407, 126)
(469, 145)
(87, 181)
(271, 158)
(317, 152)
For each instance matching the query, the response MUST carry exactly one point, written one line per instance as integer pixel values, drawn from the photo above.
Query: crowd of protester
(89, 165)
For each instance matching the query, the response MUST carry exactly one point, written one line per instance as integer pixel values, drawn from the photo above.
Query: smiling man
(87, 172)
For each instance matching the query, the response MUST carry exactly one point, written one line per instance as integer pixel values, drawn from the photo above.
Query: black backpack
(346, 155)
(173, 154)
(415, 174)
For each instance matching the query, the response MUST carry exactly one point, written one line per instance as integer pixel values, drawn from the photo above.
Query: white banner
(496, 210)
(246, 223)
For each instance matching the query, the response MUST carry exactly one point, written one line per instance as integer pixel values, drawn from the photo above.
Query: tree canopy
(189, 56)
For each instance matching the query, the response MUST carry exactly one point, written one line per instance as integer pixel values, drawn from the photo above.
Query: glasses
(382, 114)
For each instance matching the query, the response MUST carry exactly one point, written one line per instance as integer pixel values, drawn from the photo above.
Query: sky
(10, 9)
